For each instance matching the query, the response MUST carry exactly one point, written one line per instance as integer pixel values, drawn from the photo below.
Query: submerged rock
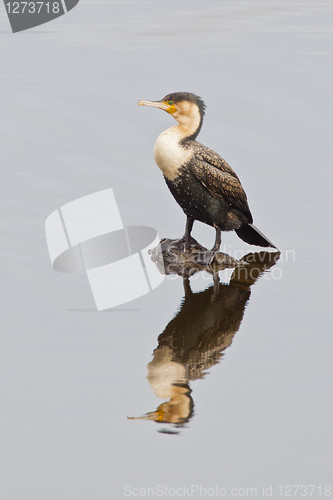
(171, 258)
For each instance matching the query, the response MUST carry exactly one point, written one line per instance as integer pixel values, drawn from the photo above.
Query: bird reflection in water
(196, 338)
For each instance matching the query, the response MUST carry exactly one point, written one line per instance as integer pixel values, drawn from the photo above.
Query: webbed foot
(179, 246)
(208, 257)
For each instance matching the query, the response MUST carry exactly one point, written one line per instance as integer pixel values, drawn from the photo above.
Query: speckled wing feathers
(208, 155)
(219, 178)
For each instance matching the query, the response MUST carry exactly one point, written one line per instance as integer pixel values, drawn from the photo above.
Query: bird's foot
(179, 246)
(207, 257)
(190, 251)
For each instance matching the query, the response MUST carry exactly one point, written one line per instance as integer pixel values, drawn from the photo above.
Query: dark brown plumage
(201, 181)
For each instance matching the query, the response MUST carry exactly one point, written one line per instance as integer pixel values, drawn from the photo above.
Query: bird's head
(186, 108)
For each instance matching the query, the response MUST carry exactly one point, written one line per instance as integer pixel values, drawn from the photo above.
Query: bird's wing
(220, 182)
(208, 155)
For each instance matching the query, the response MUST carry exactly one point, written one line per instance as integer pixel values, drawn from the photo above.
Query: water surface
(70, 126)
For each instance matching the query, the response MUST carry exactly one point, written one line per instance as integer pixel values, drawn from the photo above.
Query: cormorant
(201, 181)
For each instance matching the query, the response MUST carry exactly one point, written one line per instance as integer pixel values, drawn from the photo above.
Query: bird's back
(203, 153)
(219, 179)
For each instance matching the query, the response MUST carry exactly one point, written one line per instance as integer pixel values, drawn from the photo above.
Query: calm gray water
(70, 376)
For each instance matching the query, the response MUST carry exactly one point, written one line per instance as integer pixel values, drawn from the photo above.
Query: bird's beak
(155, 104)
(153, 415)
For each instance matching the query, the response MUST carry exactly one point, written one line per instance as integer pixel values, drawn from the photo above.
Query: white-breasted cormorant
(201, 181)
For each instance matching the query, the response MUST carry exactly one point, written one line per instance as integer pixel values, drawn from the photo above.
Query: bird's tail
(252, 235)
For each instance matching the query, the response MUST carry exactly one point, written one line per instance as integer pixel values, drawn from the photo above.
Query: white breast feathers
(169, 154)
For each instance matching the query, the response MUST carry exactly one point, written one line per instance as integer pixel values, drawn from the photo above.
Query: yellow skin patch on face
(171, 109)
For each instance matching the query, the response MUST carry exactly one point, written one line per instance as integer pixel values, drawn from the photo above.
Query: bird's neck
(171, 150)
(189, 125)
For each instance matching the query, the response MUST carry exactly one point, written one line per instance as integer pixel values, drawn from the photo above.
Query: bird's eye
(170, 103)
